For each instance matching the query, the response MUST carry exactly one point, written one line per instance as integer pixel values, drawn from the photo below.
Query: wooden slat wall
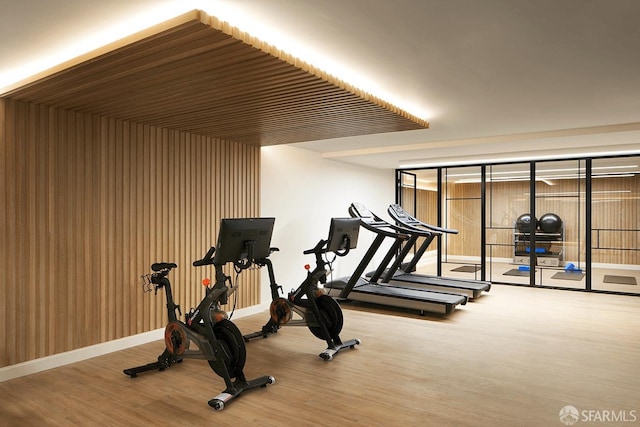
(88, 203)
(426, 208)
(505, 202)
(463, 213)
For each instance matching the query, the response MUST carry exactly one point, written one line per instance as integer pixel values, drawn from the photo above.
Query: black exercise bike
(318, 311)
(218, 340)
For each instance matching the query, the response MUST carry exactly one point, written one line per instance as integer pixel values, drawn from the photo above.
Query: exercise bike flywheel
(234, 353)
(331, 314)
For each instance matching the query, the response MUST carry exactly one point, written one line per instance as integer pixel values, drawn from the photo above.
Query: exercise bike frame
(199, 328)
(303, 301)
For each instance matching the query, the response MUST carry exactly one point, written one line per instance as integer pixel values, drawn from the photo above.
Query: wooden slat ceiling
(198, 74)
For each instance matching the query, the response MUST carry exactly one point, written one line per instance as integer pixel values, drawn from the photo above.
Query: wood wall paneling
(88, 203)
(463, 213)
(426, 208)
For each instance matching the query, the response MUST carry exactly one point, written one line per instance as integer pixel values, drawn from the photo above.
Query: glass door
(418, 195)
(508, 223)
(406, 191)
(560, 206)
(462, 211)
(425, 207)
(615, 230)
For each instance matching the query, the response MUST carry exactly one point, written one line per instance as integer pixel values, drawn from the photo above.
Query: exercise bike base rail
(219, 401)
(330, 352)
(160, 365)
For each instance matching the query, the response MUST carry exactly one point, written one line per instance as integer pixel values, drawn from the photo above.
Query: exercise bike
(316, 310)
(207, 326)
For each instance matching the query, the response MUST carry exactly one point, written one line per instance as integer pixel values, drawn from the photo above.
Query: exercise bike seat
(159, 266)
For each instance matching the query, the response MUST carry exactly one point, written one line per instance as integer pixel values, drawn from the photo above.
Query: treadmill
(403, 274)
(357, 288)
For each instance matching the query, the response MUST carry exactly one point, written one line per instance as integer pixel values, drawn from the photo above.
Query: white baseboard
(57, 360)
(68, 357)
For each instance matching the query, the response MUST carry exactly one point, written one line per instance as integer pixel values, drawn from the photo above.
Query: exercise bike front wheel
(233, 354)
(331, 314)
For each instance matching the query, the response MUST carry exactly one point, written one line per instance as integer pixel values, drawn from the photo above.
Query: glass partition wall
(569, 224)
(508, 224)
(462, 214)
(560, 207)
(419, 197)
(449, 198)
(615, 219)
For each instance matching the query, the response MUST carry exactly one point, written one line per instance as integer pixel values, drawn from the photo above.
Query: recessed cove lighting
(430, 163)
(237, 14)
(106, 33)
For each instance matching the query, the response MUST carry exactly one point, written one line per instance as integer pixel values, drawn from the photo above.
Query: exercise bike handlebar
(316, 249)
(207, 259)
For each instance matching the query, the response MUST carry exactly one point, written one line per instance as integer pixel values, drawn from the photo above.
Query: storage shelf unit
(548, 251)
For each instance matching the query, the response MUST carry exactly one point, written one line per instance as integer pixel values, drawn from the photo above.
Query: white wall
(303, 192)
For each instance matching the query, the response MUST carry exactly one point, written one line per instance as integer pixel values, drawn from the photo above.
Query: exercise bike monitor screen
(236, 232)
(339, 228)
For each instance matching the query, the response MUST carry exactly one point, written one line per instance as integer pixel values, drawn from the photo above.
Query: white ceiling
(497, 79)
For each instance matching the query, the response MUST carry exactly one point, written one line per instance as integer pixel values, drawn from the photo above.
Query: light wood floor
(513, 357)
(545, 276)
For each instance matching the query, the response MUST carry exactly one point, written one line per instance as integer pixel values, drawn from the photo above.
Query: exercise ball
(526, 224)
(550, 223)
